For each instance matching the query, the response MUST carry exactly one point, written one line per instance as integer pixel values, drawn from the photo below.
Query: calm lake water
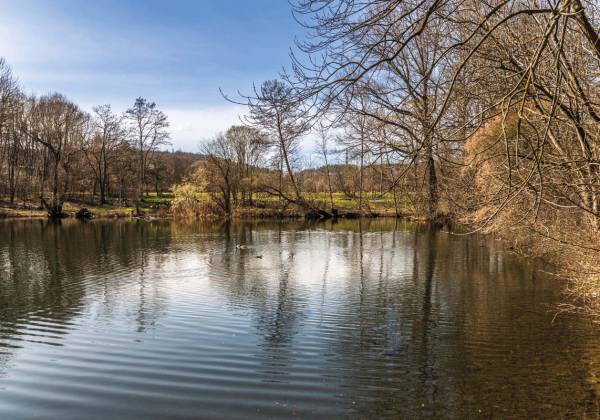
(356, 319)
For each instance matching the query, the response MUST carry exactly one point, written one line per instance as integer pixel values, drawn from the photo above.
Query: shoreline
(108, 213)
(153, 211)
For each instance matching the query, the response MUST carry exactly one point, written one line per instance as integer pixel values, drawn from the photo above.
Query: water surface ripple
(356, 319)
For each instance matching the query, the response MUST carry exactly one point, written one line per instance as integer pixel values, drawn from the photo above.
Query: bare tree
(353, 44)
(222, 171)
(107, 135)
(11, 138)
(56, 124)
(147, 132)
(273, 111)
(323, 149)
(250, 147)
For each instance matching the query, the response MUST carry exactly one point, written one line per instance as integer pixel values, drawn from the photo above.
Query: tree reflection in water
(358, 318)
(414, 315)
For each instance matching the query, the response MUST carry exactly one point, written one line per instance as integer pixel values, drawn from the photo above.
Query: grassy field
(268, 206)
(153, 206)
(371, 202)
(265, 206)
(165, 199)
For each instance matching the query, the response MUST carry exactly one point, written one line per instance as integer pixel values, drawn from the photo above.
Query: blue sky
(176, 53)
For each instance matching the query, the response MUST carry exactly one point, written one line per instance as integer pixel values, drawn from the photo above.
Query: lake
(354, 319)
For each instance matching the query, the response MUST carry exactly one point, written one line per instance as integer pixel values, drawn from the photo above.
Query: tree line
(51, 150)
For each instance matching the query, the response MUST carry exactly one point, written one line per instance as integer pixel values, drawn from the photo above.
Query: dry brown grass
(562, 236)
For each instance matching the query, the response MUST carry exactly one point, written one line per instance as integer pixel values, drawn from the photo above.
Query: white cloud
(191, 127)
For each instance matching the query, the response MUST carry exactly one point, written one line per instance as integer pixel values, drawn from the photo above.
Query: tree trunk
(432, 184)
(329, 181)
(102, 193)
(54, 209)
(361, 174)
